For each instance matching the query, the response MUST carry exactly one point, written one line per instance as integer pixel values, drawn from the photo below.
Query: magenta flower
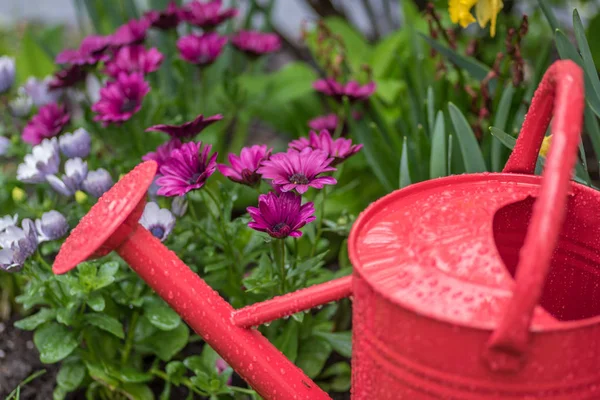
(256, 43)
(163, 152)
(188, 129)
(207, 15)
(201, 49)
(187, 169)
(281, 215)
(47, 123)
(133, 32)
(120, 99)
(67, 77)
(91, 50)
(298, 169)
(340, 149)
(165, 19)
(352, 90)
(134, 59)
(329, 122)
(243, 168)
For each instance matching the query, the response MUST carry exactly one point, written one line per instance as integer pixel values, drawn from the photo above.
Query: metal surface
(437, 312)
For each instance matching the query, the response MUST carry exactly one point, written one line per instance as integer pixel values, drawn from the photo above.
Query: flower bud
(18, 195)
(80, 197)
(7, 73)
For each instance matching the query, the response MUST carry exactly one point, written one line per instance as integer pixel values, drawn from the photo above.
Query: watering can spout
(112, 225)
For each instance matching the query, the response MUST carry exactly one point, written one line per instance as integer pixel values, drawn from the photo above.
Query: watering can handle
(561, 91)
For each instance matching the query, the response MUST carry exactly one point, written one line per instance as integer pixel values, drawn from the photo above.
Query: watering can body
(480, 286)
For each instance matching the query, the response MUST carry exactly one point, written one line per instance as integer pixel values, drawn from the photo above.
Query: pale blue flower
(159, 221)
(97, 182)
(43, 161)
(76, 171)
(76, 144)
(17, 245)
(7, 73)
(53, 225)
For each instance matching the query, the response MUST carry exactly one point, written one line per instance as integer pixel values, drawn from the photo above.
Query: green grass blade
(430, 109)
(503, 137)
(450, 140)
(500, 121)
(404, 169)
(476, 69)
(438, 165)
(471, 152)
(549, 14)
(374, 149)
(582, 169)
(593, 129)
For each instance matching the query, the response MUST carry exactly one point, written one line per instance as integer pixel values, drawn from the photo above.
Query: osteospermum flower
(485, 11)
(120, 99)
(179, 206)
(256, 43)
(17, 245)
(165, 19)
(43, 161)
(7, 221)
(159, 221)
(48, 122)
(163, 152)
(40, 92)
(91, 51)
(76, 144)
(188, 129)
(53, 225)
(340, 149)
(298, 170)
(76, 171)
(352, 90)
(187, 169)
(133, 32)
(207, 15)
(4, 145)
(7, 73)
(20, 106)
(97, 182)
(67, 77)
(243, 167)
(201, 49)
(134, 59)
(281, 215)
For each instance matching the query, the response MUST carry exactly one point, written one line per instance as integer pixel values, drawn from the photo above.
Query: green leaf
(35, 320)
(96, 302)
(176, 371)
(430, 109)
(160, 314)
(476, 69)
(385, 52)
(372, 142)
(590, 69)
(54, 342)
(132, 375)
(32, 60)
(165, 344)
(593, 129)
(500, 121)
(388, 90)
(469, 147)
(99, 373)
(545, 6)
(341, 342)
(439, 159)
(503, 137)
(357, 48)
(106, 274)
(312, 355)
(404, 169)
(106, 323)
(138, 391)
(71, 375)
(287, 342)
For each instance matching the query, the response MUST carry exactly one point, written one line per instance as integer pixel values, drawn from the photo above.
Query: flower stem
(279, 258)
(319, 222)
(130, 336)
(185, 382)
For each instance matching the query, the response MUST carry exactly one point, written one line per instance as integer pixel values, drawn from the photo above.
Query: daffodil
(545, 146)
(485, 11)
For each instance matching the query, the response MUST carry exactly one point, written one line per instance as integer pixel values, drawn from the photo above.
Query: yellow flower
(545, 146)
(485, 11)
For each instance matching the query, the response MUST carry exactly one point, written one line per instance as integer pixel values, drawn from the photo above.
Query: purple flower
(243, 168)
(67, 77)
(201, 49)
(163, 152)
(188, 129)
(165, 19)
(134, 59)
(43, 161)
(53, 225)
(281, 215)
(17, 245)
(159, 221)
(221, 367)
(120, 99)
(187, 169)
(298, 169)
(4, 145)
(47, 123)
(329, 122)
(133, 32)
(39, 91)
(340, 149)
(352, 90)
(7, 73)
(76, 144)
(256, 43)
(20, 106)
(97, 182)
(207, 15)
(91, 51)
(76, 171)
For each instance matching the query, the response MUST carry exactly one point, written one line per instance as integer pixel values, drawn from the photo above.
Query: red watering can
(469, 287)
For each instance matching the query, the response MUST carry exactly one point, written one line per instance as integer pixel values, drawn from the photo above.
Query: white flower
(7, 73)
(40, 92)
(159, 221)
(53, 225)
(43, 161)
(7, 221)
(76, 171)
(20, 105)
(76, 144)
(17, 244)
